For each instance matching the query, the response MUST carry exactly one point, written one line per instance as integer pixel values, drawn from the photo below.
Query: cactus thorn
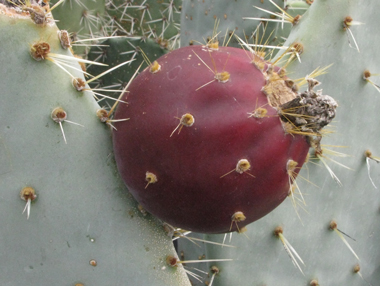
(289, 248)
(366, 76)
(214, 271)
(41, 51)
(108, 71)
(104, 117)
(95, 92)
(179, 234)
(315, 73)
(125, 89)
(347, 23)
(296, 202)
(356, 270)
(186, 120)
(59, 115)
(222, 77)
(293, 51)
(259, 112)
(369, 156)
(320, 153)
(242, 166)
(153, 67)
(334, 226)
(236, 218)
(28, 194)
(174, 262)
(150, 178)
(291, 167)
(284, 17)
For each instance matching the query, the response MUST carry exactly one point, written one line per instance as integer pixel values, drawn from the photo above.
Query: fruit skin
(191, 191)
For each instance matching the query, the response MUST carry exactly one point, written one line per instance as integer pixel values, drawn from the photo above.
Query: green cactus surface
(260, 257)
(233, 18)
(116, 51)
(83, 226)
(83, 19)
(152, 19)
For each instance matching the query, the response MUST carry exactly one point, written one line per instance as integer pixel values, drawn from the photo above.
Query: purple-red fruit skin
(189, 192)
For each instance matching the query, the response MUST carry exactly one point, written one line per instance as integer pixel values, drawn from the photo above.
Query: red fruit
(198, 152)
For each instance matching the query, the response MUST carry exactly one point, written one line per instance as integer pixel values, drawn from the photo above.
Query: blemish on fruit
(276, 89)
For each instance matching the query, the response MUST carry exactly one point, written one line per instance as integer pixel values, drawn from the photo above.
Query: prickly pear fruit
(208, 147)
